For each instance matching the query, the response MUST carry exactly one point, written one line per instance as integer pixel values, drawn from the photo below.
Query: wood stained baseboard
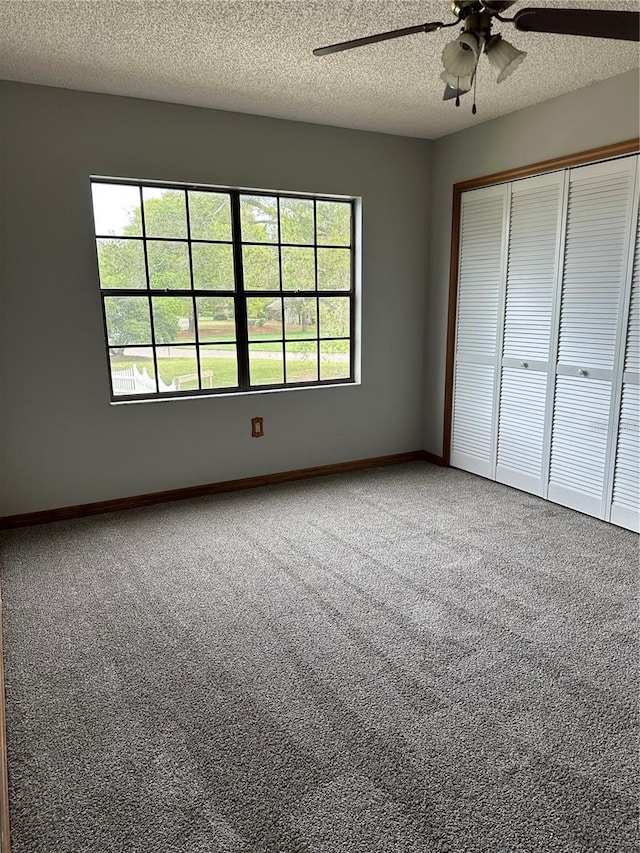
(63, 513)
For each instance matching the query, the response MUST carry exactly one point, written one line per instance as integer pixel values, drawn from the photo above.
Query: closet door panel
(625, 504)
(593, 284)
(579, 442)
(534, 237)
(521, 428)
(472, 443)
(595, 263)
(534, 234)
(625, 508)
(480, 284)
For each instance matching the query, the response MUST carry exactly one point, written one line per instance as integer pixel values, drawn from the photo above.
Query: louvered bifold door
(535, 234)
(593, 283)
(625, 503)
(481, 276)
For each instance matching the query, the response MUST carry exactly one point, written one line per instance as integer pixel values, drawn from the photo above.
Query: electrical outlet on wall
(257, 428)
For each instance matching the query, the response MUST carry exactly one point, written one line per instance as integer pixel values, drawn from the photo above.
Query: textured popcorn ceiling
(255, 57)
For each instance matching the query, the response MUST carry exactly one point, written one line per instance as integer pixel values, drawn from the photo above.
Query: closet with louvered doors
(546, 391)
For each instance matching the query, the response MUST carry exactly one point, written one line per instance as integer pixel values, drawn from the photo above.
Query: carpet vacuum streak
(400, 660)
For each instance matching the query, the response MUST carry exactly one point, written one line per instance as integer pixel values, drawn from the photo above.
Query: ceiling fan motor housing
(462, 8)
(479, 23)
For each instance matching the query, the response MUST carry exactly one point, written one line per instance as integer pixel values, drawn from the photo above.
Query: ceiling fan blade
(392, 34)
(597, 23)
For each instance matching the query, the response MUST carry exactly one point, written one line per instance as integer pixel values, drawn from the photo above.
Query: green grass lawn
(339, 346)
(223, 331)
(263, 371)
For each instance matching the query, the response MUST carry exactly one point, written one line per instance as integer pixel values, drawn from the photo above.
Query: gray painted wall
(63, 443)
(601, 114)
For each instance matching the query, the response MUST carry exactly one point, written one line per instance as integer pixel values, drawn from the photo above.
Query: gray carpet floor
(402, 660)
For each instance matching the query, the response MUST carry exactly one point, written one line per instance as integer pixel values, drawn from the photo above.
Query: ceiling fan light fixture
(455, 82)
(459, 57)
(503, 56)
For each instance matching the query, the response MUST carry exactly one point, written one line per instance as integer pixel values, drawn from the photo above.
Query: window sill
(237, 394)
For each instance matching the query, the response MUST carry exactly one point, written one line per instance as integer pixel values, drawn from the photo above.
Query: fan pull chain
(474, 109)
(458, 93)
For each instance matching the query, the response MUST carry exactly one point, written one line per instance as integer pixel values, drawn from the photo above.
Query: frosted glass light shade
(504, 57)
(459, 57)
(461, 83)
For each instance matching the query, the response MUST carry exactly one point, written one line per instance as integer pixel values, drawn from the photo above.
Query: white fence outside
(132, 381)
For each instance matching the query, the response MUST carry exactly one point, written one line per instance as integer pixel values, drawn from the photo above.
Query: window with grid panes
(208, 290)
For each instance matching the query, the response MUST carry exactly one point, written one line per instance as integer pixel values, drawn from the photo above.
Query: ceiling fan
(460, 56)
